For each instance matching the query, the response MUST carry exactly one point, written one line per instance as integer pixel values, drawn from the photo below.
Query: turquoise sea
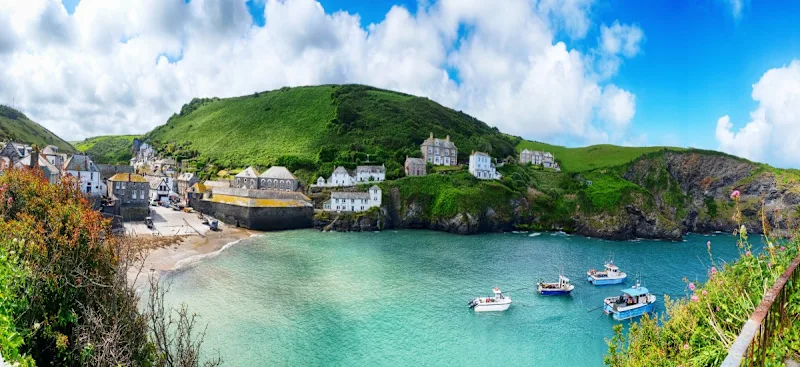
(399, 298)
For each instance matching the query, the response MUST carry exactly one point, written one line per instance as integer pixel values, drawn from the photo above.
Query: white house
(481, 166)
(531, 156)
(342, 178)
(160, 188)
(354, 201)
(86, 172)
(371, 173)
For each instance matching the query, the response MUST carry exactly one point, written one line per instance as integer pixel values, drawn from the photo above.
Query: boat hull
(554, 292)
(491, 307)
(629, 314)
(606, 280)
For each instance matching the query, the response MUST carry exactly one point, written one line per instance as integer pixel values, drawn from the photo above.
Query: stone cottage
(185, 181)
(415, 166)
(439, 152)
(129, 193)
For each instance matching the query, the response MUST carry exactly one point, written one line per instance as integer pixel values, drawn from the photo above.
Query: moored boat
(635, 301)
(563, 287)
(611, 275)
(498, 302)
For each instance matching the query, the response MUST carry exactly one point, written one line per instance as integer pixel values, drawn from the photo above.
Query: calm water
(305, 298)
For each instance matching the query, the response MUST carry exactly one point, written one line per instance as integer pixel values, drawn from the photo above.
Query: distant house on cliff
(415, 166)
(439, 152)
(481, 166)
(354, 201)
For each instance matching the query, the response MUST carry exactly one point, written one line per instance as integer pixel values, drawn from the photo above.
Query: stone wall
(260, 218)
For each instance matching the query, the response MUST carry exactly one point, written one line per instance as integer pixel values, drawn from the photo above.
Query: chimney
(447, 138)
(34, 159)
(431, 135)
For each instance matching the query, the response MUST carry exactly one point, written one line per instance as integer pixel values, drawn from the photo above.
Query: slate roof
(249, 172)
(419, 161)
(445, 143)
(278, 172)
(127, 177)
(480, 154)
(341, 170)
(44, 164)
(186, 176)
(349, 195)
(80, 162)
(371, 169)
(154, 181)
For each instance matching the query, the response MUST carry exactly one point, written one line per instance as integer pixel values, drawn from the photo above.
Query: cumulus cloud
(125, 66)
(773, 132)
(617, 106)
(617, 42)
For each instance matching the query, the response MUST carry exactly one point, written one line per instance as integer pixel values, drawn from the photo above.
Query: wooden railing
(769, 318)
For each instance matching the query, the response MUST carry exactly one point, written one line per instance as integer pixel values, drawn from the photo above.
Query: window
(134, 194)
(141, 194)
(123, 186)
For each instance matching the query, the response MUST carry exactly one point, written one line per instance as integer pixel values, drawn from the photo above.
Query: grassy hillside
(15, 126)
(109, 149)
(313, 129)
(591, 157)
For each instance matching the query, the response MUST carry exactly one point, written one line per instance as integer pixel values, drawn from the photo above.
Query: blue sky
(689, 81)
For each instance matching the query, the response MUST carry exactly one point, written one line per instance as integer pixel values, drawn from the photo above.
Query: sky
(711, 74)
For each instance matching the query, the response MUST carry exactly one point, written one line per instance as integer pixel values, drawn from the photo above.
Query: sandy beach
(179, 239)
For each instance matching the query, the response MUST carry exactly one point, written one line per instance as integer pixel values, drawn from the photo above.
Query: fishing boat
(611, 275)
(563, 287)
(633, 302)
(498, 302)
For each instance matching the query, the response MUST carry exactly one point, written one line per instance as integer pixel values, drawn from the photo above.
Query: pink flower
(704, 292)
(691, 286)
(695, 298)
(769, 265)
(713, 270)
(747, 253)
(783, 248)
(717, 308)
(686, 347)
(10, 200)
(735, 194)
(708, 243)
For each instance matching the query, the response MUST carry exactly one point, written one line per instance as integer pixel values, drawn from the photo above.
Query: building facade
(439, 152)
(184, 182)
(415, 167)
(278, 178)
(341, 177)
(83, 169)
(160, 188)
(354, 201)
(130, 193)
(481, 166)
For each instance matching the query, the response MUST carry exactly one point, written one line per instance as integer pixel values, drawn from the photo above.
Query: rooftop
(127, 177)
(249, 172)
(278, 172)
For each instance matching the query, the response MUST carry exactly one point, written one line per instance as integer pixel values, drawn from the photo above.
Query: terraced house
(439, 152)
(341, 177)
(354, 201)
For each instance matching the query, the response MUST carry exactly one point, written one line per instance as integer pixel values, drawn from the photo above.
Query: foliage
(591, 157)
(699, 329)
(608, 191)
(16, 127)
(110, 149)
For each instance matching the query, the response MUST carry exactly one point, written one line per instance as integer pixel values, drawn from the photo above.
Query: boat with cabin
(561, 288)
(498, 302)
(611, 275)
(633, 302)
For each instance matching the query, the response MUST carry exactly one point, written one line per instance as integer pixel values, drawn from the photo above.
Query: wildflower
(717, 308)
(713, 270)
(10, 200)
(691, 286)
(36, 326)
(735, 194)
(704, 292)
(783, 248)
(695, 298)
(769, 265)
(686, 346)
(747, 253)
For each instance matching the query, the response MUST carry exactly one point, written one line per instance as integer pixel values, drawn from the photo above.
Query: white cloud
(773, 132)
(105, 69)
(617, 106)
(736, 7)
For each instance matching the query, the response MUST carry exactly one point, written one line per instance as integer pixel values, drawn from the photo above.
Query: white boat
(498, 302)
(611, 275)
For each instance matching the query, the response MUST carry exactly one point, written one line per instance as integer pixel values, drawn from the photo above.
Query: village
(131, 195)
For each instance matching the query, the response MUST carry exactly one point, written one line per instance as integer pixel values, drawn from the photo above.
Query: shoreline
(185, 251)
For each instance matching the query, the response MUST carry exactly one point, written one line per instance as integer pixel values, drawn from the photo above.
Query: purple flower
(691, 286)
(695, 298)
(735, 194)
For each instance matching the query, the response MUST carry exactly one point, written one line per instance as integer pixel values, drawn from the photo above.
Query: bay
(399, 298)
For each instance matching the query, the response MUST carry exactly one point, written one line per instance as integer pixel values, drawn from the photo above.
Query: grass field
(591, 157)
(109, 149)
(16, 127)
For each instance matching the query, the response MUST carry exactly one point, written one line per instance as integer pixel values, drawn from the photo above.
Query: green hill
(591, 157)
(15, 126)
(109, 149)
(314, 129)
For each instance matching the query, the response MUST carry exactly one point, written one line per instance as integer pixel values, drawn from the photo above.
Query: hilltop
(591, 157)
(314, 129)
(15, 126)
(108, 149)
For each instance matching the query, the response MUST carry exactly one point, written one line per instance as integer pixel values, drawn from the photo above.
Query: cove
(399, 298)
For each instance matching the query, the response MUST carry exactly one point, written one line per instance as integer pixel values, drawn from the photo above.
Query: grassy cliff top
(108, 149)
(591, 157)
(16, 127)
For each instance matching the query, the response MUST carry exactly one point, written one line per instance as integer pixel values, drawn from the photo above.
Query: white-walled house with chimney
(82, 168)
(482, 167)
(354, 201)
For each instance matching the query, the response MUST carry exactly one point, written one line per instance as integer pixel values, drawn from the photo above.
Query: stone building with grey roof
(439, 152)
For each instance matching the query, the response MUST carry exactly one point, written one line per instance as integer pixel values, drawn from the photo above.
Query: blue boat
(611, 275)
(633, 302)
(562, 288)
